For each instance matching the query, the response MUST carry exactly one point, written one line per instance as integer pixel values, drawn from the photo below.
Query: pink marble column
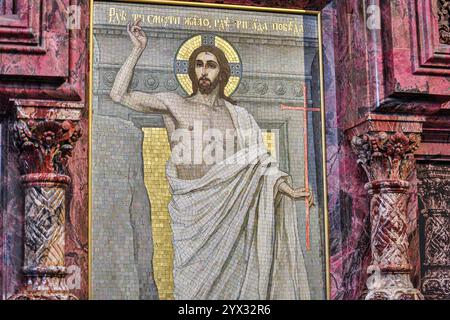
(44, 147)
(388, 161)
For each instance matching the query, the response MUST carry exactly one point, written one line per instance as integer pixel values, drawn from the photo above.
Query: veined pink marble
(391, 72)
(380, 74)
(45, 71)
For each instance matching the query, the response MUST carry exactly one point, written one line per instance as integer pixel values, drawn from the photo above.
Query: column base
(395, 294)
(391, 286)
(436, 284)
(43, 295)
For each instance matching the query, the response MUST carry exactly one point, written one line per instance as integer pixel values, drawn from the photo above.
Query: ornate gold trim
(324, 160)
(219, 6)
(91, 92)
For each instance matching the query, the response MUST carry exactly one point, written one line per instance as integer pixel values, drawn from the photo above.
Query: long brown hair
(224, 72)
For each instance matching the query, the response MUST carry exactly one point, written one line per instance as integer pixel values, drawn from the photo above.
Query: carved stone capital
(443, 11)
(434, 187)
(386, 156)
(45, 145)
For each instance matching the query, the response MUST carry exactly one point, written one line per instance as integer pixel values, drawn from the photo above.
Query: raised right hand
(138, 37)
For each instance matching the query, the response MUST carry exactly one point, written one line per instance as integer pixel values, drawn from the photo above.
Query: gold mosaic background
(269, 141)
(156, 152)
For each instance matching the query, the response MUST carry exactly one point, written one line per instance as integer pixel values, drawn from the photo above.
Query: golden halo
(184, 52)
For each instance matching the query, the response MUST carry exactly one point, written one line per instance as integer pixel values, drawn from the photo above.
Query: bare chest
(197, 133)
(202, 118)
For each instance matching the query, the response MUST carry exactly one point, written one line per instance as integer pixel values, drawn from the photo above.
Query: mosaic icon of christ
(234, 224)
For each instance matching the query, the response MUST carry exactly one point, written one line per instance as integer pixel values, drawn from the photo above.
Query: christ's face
(207, 70)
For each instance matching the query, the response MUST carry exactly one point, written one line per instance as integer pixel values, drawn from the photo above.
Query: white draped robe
(234, 236)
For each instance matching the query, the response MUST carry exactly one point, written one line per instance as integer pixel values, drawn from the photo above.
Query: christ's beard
(206, 86)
